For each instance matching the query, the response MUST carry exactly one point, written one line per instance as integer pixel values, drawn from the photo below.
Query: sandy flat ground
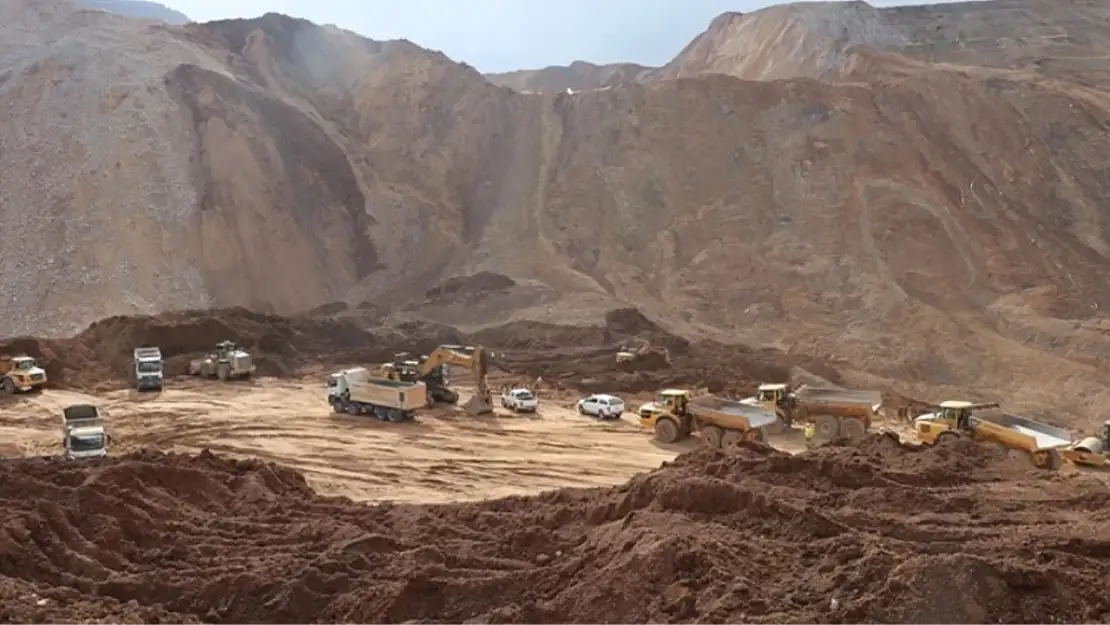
(446, 455)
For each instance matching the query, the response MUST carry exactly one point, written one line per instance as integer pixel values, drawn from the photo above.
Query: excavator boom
(473, 358)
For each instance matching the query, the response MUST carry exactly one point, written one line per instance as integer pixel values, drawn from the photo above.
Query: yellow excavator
(432, 371)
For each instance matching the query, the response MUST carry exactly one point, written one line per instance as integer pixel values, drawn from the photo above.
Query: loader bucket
(478, 405)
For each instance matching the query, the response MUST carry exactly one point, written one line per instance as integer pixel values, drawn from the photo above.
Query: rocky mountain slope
(578, 76)
(139, 8)
(927, 221)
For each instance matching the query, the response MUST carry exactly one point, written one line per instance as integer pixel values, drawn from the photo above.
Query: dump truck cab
(950, 415)
(20, 374)
(669, 401)
(771, 394)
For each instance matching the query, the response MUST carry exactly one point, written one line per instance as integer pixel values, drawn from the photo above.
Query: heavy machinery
(432, 371)
(1044, 443)
(227, 361)
(20, 374)
(644, 354)
(834, 412)
(358, 391)
(83, 433)
(1092, 451)
(675, 414)
(148, 368)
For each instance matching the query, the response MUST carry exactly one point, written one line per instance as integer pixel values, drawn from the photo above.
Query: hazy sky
(503, 35)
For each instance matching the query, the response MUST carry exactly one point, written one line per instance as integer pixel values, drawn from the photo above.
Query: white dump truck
(148, 369)
(83, 433)
(355, 391)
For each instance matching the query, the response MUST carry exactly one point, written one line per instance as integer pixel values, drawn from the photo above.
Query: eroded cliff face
(933, 224)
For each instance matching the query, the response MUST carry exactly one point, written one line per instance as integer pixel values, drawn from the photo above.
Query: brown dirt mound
(478, 284)
(749, 535)
(280, 345)
(582, 358)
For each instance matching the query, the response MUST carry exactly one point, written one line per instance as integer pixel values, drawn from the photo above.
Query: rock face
(578, 76)
(138, 8)
(918, 192)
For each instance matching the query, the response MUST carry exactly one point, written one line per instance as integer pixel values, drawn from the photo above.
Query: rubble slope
(877, 533)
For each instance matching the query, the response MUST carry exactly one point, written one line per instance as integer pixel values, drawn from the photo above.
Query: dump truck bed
(730, 414)
(817, 395)
(1043, 435)
(390, 393)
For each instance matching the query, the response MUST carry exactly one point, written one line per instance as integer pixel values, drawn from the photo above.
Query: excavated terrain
(570, 357)
(914, 191)
(876, 533)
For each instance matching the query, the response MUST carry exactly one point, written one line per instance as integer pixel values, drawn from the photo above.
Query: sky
(506, 35)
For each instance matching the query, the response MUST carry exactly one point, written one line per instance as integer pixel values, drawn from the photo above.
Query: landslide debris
(881, 532)
(574, 357)
(929, 211)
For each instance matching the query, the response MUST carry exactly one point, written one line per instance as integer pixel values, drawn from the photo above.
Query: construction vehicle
(357, 391)
(226, 362)
(148, 369)
(432, 371)
(20, 374)
(1044, 443)
(83, 433)
(644, 354)
(519, 400)
(1091, 451)
(675, 414)
(834, 412)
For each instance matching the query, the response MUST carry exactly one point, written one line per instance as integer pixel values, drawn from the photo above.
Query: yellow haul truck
(20, 374)
(1045, 444)
(835, 412)
(674, 415)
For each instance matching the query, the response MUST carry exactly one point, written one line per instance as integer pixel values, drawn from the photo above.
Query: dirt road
(445, 456)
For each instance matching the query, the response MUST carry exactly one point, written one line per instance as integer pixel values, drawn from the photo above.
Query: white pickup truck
(519, 400)
(83, 433)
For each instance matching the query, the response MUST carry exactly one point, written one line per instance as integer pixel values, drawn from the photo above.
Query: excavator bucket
(478, 404)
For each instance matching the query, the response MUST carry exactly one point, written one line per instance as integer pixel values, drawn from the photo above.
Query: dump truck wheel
(337, 405)
(353, 409)
(223, 371)
(666, 431)
(1049, 459)
(450, 397)
(396, 416)
(827, 427)
(947, 437)
(712, 436)
(8, 386)
(852, 428)
(754, 435)
(731, 438)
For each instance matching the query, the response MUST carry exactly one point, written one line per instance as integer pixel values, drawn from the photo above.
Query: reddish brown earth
(573, 357)
(878, 533)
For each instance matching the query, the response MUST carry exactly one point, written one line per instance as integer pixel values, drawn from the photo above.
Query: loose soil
(880, 532)
(445, 455)
(570, 357)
